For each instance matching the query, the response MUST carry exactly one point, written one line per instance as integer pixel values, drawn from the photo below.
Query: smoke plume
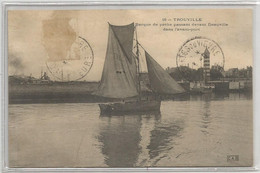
(15, 64)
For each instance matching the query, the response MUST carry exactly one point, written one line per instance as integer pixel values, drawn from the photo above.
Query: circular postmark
(76, 64)
(192, 55)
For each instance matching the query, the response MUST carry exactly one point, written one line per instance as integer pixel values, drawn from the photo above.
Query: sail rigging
(160, 81)
(119, 77)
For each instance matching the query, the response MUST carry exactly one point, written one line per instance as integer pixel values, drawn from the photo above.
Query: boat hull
(130, 107)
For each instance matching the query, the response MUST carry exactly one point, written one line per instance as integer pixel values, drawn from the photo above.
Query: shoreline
(90, 98)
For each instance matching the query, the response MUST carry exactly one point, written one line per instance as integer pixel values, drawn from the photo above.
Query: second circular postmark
(198, 52)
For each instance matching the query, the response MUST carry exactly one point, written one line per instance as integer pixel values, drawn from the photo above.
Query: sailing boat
(121, 75)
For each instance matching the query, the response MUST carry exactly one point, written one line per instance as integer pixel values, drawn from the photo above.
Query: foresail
(125, 36)
(161, 82)
(118, 78)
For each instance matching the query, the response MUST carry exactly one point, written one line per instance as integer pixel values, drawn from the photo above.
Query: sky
(38, 36)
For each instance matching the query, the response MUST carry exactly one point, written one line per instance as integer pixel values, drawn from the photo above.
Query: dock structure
(221, 85)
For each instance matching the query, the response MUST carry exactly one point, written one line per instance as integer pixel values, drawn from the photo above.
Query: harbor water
(201, 130)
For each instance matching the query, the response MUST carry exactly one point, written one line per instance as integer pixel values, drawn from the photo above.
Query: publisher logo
(231, 158)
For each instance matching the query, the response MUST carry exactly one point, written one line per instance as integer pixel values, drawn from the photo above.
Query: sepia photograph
(130, 88)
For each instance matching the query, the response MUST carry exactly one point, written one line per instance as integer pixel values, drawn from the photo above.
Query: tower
(206, 65)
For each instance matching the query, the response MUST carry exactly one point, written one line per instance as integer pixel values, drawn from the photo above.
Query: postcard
(130, 88)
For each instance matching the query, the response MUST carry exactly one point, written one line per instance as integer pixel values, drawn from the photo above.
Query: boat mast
(138, 65)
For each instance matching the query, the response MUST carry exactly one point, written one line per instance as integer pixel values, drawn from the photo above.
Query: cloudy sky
(31, 43)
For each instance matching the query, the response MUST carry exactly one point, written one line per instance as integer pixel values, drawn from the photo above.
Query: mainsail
(119, 79)
(161, 82)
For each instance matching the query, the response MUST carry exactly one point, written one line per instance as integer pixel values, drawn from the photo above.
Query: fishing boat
(121, 75)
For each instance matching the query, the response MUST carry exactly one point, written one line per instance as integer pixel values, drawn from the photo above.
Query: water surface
(193, 131)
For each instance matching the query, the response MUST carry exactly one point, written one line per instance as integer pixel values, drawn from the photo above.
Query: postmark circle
(76, 64)
(191, 55)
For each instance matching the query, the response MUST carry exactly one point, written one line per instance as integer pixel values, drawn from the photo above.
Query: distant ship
(121, 75)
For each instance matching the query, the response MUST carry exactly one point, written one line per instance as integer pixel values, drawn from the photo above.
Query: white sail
(119, 72)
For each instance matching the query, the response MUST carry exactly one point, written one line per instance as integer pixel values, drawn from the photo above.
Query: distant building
(233, 72)
(217, 67)
(171, 69)
(239, 73)
(249, 71)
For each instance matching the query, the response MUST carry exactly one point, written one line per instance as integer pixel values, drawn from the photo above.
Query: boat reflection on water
(136, 140)
(163, 140)
(120, 138)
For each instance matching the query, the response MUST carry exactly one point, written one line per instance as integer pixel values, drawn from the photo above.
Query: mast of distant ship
(138, 66)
